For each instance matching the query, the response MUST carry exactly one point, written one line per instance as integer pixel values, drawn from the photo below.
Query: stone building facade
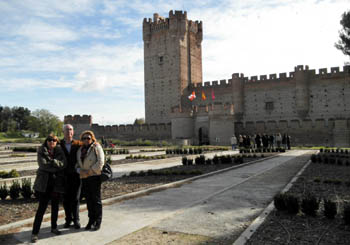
(311, 106)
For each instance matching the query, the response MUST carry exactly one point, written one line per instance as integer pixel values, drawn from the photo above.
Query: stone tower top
(172, 62)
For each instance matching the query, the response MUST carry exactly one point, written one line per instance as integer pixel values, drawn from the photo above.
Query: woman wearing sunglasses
(49, 183)
(90, 158)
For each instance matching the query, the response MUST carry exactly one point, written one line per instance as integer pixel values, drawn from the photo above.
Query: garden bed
(15, 210)
(325, 181)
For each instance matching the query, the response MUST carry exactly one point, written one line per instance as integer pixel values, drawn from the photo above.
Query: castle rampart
(159, 131)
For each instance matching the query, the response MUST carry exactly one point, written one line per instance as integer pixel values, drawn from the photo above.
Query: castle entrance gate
(203, 136)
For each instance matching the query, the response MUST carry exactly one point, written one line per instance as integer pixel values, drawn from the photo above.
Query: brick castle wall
(160, 131)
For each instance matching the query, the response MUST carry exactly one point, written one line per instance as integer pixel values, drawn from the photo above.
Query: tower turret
(172, 62)
(238, 95)
(301, 76)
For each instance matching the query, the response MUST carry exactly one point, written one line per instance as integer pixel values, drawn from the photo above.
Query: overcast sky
(86, 56)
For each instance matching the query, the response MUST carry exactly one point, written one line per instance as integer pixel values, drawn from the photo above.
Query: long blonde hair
(89, 132)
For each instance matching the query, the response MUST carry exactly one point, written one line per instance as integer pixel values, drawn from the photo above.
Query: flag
(212, 94)
(192, 96)
(203, 96)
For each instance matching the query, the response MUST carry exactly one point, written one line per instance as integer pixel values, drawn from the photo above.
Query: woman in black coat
(49, 183)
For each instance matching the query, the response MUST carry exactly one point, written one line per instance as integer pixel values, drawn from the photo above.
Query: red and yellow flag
(192, 96)
(203, 96)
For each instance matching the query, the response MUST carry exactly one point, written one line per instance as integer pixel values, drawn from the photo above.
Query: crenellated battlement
(159, 23)
(127, 131)
(77, 119)
(178, 14)
(281, 77)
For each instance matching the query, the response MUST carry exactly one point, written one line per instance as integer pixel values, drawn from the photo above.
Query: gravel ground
(282, 228)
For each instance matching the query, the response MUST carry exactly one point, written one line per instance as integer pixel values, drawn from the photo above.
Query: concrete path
(219, 206)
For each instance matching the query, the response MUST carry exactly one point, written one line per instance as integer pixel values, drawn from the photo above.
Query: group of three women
(53, 180)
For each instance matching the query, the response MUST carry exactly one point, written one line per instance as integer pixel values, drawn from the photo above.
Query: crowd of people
(261, 141)
(65, 168)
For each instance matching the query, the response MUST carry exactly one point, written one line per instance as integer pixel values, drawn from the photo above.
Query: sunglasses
(51, 140)
(86, 138)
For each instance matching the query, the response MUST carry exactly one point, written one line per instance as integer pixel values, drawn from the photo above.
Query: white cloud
(35, 30)
(269, 39)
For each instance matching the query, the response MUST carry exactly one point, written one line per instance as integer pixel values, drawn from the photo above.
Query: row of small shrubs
(184, 151)
(16, 190)
(111, 151)
(260, 150)
(12, 174)
(24, 149)
(17, 155)
(309, 205)
(329, 160)
(224, 159)
(194, 150)
(338, 150)
(151, 150)
(140, 142)
(145, 157)
(163, 173)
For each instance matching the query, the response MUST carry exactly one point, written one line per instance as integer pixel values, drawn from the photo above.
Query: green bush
(18, 155)
(310, 205)
(292, 204)
(26, 189)
(3, 174)
(24, 149)
(317, 180)
(313, 158)
(13, 174)
(200, 160)
(195, 172)
(132, 174)
(330, 209)
(280, 202)
(325, 160)
(208, 161)
(339, 161)
(4, 192)
(184, 161)
(15, 190)
(216, 159)
(346, 214)
(190, 162)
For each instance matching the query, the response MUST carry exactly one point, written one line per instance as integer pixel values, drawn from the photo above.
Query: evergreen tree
(344, 43)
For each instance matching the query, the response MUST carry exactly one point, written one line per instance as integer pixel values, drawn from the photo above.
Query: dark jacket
(71, 156)
(50, 170)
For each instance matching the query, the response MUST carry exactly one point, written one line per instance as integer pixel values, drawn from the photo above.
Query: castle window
(269, 106)
(160, 60)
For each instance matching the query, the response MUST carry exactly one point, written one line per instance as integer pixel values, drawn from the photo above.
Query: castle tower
(302, 90)
(172, 62)
(238, 95)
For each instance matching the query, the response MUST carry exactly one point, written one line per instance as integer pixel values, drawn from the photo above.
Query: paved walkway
(218, 206)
